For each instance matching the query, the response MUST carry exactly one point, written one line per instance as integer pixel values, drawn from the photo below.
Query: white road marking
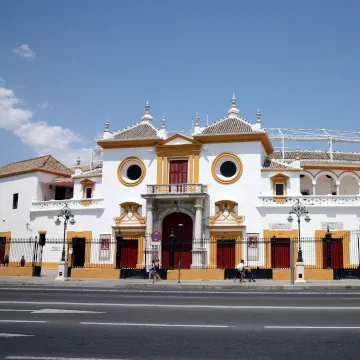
(185, 291)
(23, 321)
(156, 325)
(15, 310)
(313, 327)
(194, 306)
(52, 358)
(62, 311)
(6, 335)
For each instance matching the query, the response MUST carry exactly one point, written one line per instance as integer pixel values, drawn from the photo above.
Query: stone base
(300, 273)
(62, 271)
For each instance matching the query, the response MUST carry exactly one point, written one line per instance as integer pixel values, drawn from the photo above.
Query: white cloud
(2, 81)
(41, 137)
(45, 105)
(24, 51)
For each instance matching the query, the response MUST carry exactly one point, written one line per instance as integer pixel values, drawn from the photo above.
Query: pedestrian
(22, 261)
(240, 271)
(153, 274)
(6, 260)
(157, 269)
(250, 274)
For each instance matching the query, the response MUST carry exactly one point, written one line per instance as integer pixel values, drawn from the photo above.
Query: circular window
(131, 171)
(227, 168)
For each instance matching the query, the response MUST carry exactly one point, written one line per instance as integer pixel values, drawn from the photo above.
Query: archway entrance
(182, 246)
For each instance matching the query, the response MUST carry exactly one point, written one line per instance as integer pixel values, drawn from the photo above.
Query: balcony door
(178, 173)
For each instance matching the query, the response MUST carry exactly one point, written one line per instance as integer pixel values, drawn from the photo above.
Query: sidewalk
(48, 280)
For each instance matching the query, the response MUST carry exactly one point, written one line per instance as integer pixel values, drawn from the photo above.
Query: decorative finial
(258, 116)
(107, 124)
(78, 161)
(297, 154)
(147, 116)
(197, 118)
(163, 121)
(234, 111)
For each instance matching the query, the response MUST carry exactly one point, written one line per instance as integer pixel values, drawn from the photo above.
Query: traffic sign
(156, 235)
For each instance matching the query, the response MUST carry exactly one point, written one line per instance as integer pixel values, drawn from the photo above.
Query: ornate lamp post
(67, 215)
(181, 229)
(172, 239)
(299, 210)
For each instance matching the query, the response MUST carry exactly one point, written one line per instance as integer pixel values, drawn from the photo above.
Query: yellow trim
(336, 234)
(143, 171)
(35, 171)
(95, 273)
(49, 265)
(42, 231)
(221, 205)
(215, 236)
(159, 168)
(234, 138)
(237, 161)
(191, 169)
(276, 170)
(327, 167)
(196, 157)
(79, 234)
(16, 270)
(192, 274)
(7, 236)
(135, 209)
(87, 183)
(181, 136)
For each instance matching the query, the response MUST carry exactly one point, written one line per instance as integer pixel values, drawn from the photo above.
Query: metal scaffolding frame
(331, 136)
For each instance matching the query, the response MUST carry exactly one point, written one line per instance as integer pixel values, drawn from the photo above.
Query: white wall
(293, 183)
(14, 220)
(97, 190)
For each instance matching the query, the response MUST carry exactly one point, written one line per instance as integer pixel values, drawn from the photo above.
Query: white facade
(332, 190)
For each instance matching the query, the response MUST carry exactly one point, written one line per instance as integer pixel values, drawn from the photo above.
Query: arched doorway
(182, 246)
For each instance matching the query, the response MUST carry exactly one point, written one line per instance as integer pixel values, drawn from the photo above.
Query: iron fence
(135, 255)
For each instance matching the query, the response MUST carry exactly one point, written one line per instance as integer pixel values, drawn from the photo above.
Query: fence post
(292, 261)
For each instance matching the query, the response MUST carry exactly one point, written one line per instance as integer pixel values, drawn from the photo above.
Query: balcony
(310, 200)
(175, 190)
(56, 205)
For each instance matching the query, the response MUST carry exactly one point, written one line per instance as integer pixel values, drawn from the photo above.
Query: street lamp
(299, 210)
(67, 215)
(172, 239)
(181, 229)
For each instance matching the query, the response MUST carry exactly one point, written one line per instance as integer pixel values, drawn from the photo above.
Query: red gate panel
(2, 250)
(280, 253)
(182, 249)
(336, 254)
(226, 254)
(129, 254)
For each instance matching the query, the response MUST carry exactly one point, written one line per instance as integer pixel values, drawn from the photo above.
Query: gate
(280, 253)
(225, 254)
(37, 257)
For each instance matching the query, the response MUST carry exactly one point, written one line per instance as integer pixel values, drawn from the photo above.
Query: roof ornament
(78, 161)
(107, 125)
(197, 118)
(297, 154)
(163, 121)
(147, 116)
(234, 111)
(258, 116)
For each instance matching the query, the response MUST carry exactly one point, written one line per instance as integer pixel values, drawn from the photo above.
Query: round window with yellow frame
(227, 168)
(131, 171)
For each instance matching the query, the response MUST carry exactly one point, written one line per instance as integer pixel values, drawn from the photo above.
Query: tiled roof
(91, 173)
(63, 181)
(139, 131)
(229, 126)
(88, 166)
(42, 163)
(318, 156)
(275, 165)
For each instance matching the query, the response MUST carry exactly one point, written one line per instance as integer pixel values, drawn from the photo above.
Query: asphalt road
(130, 324)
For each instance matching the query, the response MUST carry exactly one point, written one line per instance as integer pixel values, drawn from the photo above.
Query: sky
(67, 66)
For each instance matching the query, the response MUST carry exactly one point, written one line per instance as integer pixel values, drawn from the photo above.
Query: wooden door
(178, 173)
(129, 254)
(334, 251)
(280, 253)
(226, 254)
(2, 249)
(183, 243)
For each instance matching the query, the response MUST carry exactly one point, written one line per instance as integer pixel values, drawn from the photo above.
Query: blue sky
(82, 62)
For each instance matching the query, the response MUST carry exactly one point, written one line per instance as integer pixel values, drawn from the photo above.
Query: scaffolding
(331, 136)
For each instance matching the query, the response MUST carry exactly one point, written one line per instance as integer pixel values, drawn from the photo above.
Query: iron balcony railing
(177, 189)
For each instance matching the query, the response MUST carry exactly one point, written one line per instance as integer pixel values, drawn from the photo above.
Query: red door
(2, 250)
(178, 172)
(226, 254)
(333, 250)
(183, 243)
(280, 253)
(129, 254)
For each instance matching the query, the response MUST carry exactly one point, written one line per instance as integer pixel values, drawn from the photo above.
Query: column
(148, 252)
(337, 188)
(197, 249)
(314, 187)
(359, 189)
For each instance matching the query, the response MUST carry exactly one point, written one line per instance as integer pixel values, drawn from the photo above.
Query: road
(131, 324)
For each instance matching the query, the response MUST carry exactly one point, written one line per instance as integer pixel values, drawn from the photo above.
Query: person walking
(240, 271)
(6, 260)
(22, 261)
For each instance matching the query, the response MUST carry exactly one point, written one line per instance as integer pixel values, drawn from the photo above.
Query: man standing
(240, 271)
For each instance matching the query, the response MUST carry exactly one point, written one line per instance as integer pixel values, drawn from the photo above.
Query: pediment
(179, 139)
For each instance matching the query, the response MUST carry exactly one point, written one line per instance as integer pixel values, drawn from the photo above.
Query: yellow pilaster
(196, 167)
(159, 169)
(7, 236)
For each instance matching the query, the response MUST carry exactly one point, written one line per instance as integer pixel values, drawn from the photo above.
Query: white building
(225, 181)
